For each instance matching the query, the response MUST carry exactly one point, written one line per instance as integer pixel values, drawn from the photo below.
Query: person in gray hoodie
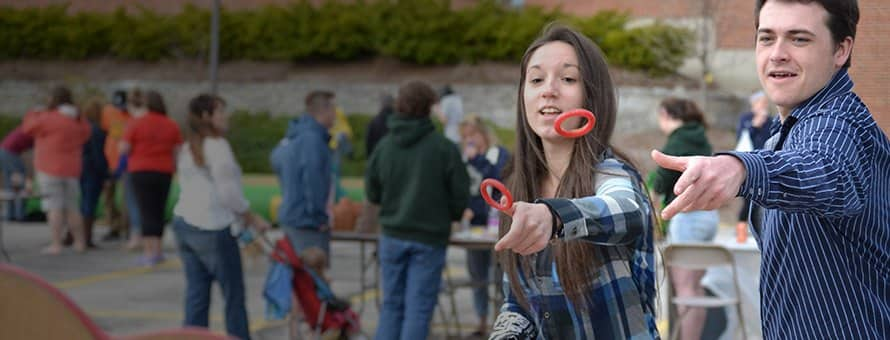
(302, 161)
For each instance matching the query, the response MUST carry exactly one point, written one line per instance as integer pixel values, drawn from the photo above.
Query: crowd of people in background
(131, 144)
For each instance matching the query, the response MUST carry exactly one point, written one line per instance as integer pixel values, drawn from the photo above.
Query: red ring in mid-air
(575, 133)
(491, 182)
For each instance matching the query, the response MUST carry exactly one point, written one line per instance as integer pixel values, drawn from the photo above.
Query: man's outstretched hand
(706, 183)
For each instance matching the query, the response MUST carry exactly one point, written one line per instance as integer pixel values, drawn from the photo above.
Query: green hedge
(415, 31)
(254, 135)
(7, 123)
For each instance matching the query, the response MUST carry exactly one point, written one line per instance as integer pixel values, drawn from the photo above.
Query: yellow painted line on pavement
(142, 315)
(120, 274)
(263, 324)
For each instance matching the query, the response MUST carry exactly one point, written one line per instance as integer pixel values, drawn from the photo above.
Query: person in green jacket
(417, 177)
(684, 124)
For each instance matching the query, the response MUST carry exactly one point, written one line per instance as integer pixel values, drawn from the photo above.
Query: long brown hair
(201, 108)
(529, 167)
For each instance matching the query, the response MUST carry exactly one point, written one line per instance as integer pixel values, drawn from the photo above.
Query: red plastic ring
(491, 182)
(575, 133)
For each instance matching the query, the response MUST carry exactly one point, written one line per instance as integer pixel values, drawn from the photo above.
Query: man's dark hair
(59, 95)
(843, 16)
(415, 99)
(684, 110)
(317, 100)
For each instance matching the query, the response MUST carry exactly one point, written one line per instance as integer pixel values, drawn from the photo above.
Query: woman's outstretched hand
(530, 231)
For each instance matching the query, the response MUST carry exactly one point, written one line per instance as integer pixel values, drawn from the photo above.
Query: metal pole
(214, 46)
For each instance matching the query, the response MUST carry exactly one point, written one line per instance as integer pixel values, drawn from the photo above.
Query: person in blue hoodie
(302, 161)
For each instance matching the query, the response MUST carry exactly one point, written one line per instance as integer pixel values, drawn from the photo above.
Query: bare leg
(114, 213)
(483, 325)
(135, 241)
(687, 283)
(75, 224)
(88, 223)
(151, 247)
(56, 220)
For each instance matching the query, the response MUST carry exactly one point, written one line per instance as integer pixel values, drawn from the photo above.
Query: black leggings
(151, 189)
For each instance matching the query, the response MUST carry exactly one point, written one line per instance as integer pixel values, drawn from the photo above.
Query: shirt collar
(839, 84)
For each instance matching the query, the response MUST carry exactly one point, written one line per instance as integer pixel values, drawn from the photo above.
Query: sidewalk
(125, 298)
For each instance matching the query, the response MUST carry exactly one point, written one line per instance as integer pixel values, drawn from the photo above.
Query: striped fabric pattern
(622, 296)
(826, 238)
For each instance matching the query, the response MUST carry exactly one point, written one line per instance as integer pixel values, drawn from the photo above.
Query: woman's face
(552, 86)
(473, 137)
(219, 119)
(136, 111)
(666, 123)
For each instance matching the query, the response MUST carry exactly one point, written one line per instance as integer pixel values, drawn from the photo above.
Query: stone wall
(493, 101)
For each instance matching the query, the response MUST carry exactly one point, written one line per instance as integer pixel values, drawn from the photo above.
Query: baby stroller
(316, 304)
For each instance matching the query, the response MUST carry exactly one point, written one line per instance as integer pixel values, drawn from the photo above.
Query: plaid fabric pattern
(621, 299)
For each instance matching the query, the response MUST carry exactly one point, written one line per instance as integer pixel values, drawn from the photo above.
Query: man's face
(796, 56)
(328, 115)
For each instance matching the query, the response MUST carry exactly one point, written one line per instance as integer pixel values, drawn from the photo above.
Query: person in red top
(151, 143)
(59, 135)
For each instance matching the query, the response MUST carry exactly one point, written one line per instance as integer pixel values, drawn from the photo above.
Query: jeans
(209, 255)
(479, 266)
(411, 274)
(132, 206)
(10, 164)
(91, 187)
(694, 226)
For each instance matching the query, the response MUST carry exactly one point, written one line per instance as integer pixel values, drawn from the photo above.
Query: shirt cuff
(573, 225)
(756, 183)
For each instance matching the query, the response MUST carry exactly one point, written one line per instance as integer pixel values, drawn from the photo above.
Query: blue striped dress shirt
(825, 240)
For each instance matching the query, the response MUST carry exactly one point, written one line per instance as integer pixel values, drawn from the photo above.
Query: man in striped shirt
(824, 180)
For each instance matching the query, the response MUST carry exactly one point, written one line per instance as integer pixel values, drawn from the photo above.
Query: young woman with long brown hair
(578, 250)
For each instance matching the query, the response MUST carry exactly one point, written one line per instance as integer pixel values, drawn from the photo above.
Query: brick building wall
(871, 59)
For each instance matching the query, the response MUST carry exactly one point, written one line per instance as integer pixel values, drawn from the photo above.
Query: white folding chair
(701, 257)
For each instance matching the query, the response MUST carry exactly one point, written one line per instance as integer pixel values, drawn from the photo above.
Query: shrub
(254, 137)
(657, 49)
(415, 31)
(7, 123)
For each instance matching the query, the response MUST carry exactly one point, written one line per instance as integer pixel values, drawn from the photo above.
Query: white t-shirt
(453, 109)
(211, 197)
